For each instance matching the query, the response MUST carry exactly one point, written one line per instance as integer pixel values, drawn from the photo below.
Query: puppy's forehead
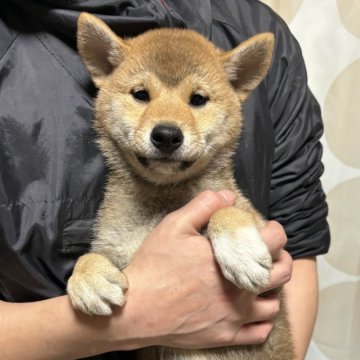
(174, 54)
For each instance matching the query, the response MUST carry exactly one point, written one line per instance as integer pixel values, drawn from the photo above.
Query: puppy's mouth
(164, 163)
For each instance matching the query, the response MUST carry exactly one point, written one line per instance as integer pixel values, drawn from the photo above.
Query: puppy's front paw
(244, 258)
(95, 285)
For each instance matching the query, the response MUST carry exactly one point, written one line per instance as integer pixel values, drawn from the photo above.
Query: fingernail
(228, 195)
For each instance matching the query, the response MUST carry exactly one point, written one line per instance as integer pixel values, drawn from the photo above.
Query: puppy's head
(169, 100)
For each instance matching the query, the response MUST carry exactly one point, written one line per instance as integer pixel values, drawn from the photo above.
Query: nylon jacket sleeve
(296, 197)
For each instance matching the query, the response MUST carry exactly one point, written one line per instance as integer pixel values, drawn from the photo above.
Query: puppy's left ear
(100, 48)
(247, 64)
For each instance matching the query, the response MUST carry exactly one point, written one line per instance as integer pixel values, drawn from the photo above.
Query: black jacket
(52, 174)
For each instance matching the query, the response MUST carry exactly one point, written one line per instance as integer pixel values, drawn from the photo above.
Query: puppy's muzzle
(166, 138)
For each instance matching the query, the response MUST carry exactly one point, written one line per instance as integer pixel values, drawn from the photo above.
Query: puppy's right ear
(100, 48)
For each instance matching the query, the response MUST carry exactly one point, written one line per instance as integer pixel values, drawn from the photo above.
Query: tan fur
(144, 184)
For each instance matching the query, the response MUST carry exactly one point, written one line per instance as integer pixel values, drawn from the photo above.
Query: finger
(273, 234)
(198, 211)
(264, 309)
(281, 272)
(253, 334)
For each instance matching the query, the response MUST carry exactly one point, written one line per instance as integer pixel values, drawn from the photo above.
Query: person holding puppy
(47, 207)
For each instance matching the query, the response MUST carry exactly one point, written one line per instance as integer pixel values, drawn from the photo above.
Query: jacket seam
(9, 46)
(47, 48)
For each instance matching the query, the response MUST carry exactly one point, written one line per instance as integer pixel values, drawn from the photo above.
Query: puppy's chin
(163, 170)
(164, 165)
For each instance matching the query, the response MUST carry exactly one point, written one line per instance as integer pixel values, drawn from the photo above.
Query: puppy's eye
(141, 95)
(198, 100)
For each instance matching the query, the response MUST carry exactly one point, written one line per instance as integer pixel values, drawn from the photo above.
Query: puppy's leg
(242, 255)
(96, 284)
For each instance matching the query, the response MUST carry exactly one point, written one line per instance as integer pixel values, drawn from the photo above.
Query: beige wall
(329, 34)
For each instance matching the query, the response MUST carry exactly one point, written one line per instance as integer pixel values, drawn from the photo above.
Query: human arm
(180, 300)
(297, 197)
(302, 300)
(299, 203)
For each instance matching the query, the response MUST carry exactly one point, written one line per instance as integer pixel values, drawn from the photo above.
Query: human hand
(273, 234)
(178, 296)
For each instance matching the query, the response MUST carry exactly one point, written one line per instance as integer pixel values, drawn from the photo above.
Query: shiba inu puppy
(168, 115)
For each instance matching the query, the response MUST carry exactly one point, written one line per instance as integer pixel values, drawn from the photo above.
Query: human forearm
(51, 329)
(302, 300)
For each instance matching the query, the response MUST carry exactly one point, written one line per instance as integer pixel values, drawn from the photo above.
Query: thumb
(198, 211)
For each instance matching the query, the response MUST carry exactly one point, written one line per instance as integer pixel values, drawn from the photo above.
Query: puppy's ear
(100, 48)
(247, 64)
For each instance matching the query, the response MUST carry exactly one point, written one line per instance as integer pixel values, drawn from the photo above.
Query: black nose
(166, 138)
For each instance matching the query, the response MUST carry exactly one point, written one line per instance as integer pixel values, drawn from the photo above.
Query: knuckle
(275, 309)
(172, 225)
(287, 276)
(226, 338)
(264, 333)
(287, 268)
(170, 218)
(173, 221)
(207, 193)
(207, 201)
(279, 236)
(210, 198)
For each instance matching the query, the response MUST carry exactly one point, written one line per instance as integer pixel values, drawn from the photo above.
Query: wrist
(136, 320)
(101, 334)
(81, 334)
